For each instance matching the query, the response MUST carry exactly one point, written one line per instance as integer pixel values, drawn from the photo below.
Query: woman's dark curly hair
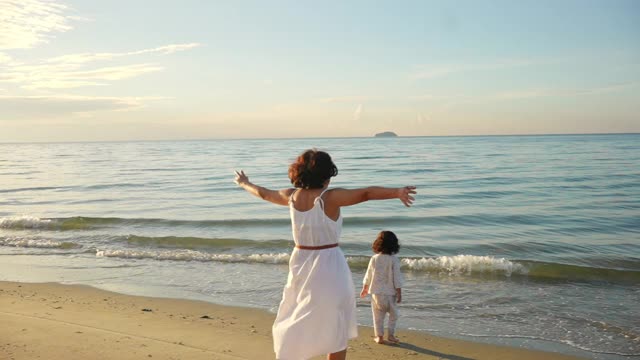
(386, 243)
(311, 169)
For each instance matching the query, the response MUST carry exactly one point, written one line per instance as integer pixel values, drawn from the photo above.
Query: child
(384, 282)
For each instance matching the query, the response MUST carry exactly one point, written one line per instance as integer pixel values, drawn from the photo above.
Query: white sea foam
(459, 264)
(36, 243)
(23, 222)
(191, 255)
(464, 264)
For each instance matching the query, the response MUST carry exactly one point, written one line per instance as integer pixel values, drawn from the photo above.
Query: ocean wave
(24, 222)
(552, 222)
(454, 265)
(88, 223)
(459, 265)
(38, 243)
(564, 272)
(190, 242)
(474, 265)
(465, 264)
(36, 188)
(191, 255)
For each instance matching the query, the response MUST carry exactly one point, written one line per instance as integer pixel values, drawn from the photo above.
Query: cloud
(55, 106)
(448, 101)
(25, 23)
(45, 78)
(537, 93)
(4, 58)
(79, 70)
(432, 97)
(344, 99)
(357, 114)
(82, 58)
(420, 120)
(430, 71)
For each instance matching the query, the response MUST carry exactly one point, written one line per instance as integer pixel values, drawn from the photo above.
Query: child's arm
(365, 290)
(397, 279)
(367, 278)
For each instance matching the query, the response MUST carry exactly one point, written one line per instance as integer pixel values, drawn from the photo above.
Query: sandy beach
(54, 321)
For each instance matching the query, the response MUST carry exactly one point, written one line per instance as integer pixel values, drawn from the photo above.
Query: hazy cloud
(528, 93)
(25, 23)
(536, 93)
(357, 114)
(429, 71)
(344, 99)
(420, 120)
(4, 58)
(432, 97)
(446, 102)
(78, 70)
(43, 77)
(82, 58)
(21, 107)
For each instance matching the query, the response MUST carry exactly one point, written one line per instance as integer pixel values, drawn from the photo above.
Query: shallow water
(523, 240)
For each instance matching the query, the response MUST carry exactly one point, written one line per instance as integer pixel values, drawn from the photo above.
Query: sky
(154, 70)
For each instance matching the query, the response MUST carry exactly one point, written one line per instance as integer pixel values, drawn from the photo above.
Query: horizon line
(313, 137)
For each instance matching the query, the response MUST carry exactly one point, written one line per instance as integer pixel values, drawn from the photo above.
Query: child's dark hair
(386, 243)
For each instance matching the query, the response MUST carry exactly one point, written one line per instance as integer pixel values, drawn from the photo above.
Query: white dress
(317, 314)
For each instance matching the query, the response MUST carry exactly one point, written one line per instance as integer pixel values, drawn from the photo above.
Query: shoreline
(56, 321)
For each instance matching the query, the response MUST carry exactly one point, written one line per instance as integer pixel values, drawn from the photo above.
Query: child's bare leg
(340, 355)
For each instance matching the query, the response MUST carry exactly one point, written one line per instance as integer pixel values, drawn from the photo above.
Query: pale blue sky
(122, 70)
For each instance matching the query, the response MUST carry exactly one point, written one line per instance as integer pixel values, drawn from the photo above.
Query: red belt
(302, 247)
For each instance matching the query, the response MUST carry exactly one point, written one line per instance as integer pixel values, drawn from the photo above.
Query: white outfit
(382, 305)
(383, 277)
(317, 314)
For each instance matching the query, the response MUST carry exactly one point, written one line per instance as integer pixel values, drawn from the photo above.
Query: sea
(526, 241)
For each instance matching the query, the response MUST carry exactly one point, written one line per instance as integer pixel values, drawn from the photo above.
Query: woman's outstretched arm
(279, 197)
(348, 197)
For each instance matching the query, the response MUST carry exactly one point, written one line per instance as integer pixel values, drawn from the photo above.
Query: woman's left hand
(241, 178)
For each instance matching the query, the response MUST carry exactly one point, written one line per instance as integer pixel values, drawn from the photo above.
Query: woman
(317, 314)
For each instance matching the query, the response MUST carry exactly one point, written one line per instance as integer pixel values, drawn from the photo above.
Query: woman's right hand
(241, 178)
(404, 194)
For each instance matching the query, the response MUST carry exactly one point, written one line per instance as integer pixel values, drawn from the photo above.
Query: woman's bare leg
(340, 355)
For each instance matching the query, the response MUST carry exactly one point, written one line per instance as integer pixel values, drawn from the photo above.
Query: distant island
(386, 134)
